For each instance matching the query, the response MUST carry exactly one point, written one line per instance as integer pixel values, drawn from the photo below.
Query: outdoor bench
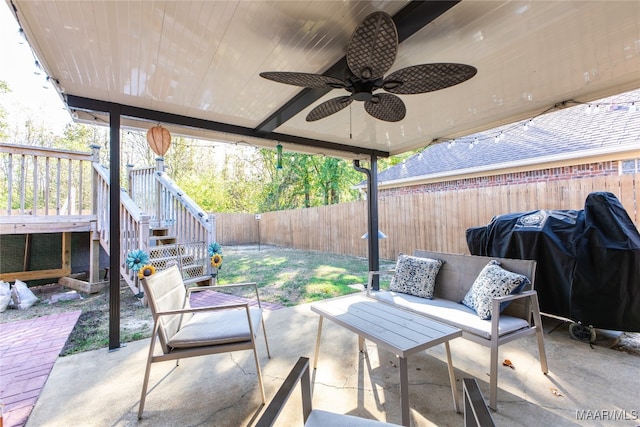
(452, 282)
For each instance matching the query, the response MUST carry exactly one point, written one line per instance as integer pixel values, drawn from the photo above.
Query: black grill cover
(588, 261)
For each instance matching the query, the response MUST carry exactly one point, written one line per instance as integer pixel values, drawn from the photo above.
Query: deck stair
(168, 225)
(160, 236)
(187, 256)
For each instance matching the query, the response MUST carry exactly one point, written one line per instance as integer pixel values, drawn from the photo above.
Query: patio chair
(185, 332)
(476, 411)
(312, 417)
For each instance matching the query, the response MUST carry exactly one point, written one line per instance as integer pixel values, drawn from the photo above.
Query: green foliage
(4, 88)
(306, 180)
(76, 137)
(224, 179)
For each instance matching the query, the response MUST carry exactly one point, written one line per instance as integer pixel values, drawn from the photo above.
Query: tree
(307, 180)
(4, 88)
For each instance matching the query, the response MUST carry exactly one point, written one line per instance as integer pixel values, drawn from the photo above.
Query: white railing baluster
(46, 187)
(59, 167)
(34, 209)
(22, 183)
(70, 187)
(10, 183)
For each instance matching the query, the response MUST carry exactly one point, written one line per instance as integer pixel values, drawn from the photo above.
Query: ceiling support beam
(413, 17)
(94, 105)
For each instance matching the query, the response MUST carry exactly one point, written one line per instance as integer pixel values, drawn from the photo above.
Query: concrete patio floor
(594, 385)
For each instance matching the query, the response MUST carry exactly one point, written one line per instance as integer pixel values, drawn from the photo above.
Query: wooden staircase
(165, 251)
(164, 222)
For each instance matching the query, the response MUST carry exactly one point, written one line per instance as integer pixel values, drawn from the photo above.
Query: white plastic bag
(5, 295)
(22, 296)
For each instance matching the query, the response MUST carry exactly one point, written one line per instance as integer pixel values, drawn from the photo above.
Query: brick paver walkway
(205, 298)
(28, 351)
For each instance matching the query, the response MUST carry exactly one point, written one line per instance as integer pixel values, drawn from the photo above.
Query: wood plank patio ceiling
(195, 65)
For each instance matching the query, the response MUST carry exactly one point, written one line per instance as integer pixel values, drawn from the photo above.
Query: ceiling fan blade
(427, 77)
(304, 79)
(387, 107)
(329, 107)
(373, 47)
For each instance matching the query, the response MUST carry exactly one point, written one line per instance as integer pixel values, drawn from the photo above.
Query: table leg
(452, 377)
(315, 358)
(360, 343)
(404, 391)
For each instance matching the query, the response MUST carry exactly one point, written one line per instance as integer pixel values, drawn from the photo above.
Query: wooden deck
(29, 224)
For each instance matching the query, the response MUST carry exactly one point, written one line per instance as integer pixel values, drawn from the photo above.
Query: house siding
(541, 175)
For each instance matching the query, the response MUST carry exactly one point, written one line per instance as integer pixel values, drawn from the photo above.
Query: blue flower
(137, 259)
(215, 249)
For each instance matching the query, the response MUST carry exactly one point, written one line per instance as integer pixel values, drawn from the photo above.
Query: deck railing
(134, 224)
(39, 181)
(168, 206)
(143, 188)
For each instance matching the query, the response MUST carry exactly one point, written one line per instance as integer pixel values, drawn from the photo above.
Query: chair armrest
(214, 287)
(381, 272)
(300, 372)
(376, 273)
(495, 308)
(229, 286)
(523, 294)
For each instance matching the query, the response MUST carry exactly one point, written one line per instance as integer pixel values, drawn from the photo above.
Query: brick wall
(541, 175)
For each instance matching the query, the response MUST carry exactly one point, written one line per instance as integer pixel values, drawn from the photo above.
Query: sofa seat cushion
(216, 327)
(452, 313)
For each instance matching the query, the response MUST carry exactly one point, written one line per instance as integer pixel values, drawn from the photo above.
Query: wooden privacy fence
(434, 221)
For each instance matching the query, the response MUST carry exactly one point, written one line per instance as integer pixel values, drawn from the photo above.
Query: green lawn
(290, 277)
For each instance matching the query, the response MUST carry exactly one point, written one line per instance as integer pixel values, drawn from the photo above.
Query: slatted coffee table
(397, 330)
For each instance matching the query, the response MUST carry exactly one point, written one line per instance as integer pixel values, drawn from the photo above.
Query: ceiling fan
(370, 53)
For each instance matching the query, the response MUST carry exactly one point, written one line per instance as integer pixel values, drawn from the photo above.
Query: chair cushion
(493, 281)
(216, 327)
(415, 276)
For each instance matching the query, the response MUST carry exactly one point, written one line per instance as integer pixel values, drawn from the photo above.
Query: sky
(28, 96)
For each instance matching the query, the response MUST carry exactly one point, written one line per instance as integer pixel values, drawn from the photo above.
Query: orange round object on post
(159, 140)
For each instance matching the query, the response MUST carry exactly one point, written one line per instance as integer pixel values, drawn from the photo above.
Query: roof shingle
(558, 133)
